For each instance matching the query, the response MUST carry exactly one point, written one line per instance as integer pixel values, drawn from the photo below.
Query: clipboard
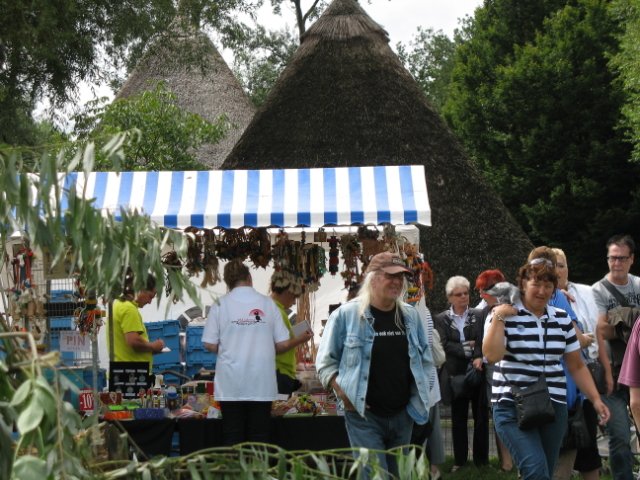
(300, 328)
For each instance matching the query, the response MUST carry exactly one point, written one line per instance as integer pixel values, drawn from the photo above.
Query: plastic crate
(194, 338)
(54, 344)
(200, 357)
(166, 328)
(170, 379)
(62, 323)
(169, 332)
(81, 377)
(62, 309)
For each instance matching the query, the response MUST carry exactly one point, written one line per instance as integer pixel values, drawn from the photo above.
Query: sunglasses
(541, 261)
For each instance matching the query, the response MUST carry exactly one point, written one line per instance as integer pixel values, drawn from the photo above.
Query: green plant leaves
(28, 466)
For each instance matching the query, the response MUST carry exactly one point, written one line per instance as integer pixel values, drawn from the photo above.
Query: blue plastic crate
(171, 337)
(80, 377)
(170, 379)
(200, 357)
(54, 344)
(194, 338)
(166, 328)
(61, 323)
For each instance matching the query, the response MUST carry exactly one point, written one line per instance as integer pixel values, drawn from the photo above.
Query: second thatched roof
(193, 69)
(345, 99)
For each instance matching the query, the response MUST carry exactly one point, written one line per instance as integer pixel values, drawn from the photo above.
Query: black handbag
(533, 402)
(473, 378)
(597, 373)
(577, 435)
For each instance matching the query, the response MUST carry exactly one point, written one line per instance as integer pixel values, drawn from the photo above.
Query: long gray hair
(366, 291)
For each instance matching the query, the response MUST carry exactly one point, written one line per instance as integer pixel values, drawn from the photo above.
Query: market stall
(323, 224)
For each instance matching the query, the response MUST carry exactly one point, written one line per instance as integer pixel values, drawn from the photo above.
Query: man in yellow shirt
(130, 340)
(284, 298)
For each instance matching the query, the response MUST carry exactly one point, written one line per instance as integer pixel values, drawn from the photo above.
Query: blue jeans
(379, 433)
(534, 451)
(619, 431)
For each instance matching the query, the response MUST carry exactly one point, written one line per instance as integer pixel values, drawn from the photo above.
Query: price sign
(85, 400)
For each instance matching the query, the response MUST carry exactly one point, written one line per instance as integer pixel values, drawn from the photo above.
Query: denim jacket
(345, 350)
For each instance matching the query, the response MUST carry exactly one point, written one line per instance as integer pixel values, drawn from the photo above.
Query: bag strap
(615, 292)
(544, 350)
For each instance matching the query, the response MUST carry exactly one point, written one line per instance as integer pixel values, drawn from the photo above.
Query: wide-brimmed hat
(387, 262)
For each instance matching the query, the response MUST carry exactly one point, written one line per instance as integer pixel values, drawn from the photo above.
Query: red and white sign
(85, 400)
(72, 341)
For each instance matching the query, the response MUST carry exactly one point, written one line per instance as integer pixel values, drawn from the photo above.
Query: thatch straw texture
(346, 100)
(193, 69)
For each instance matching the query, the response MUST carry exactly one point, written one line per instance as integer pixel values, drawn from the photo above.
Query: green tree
(537, 107)
(47, 46)
(627, 62)
(430, 59)
(168, 135)
(260, 57)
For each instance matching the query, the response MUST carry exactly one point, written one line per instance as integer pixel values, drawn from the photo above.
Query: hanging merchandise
(286, 262)
(194, 264)
(260, 247)
(170, 260)
(89, 317)
(209, 258)
(334, 255)
(233, 244)
(371, 245)
(350, 254)
(421, 280)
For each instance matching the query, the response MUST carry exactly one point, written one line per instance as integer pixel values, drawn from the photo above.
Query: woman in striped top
(526, 340)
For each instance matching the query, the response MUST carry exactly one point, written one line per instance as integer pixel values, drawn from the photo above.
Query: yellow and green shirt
(286, 362)
(126, 319)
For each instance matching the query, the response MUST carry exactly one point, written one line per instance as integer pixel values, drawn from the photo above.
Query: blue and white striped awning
(312, 197)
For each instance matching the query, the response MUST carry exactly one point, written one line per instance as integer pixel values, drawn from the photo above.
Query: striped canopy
(311, 197)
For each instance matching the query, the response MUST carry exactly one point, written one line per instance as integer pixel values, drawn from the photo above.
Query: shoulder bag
(533, 403)
(577, 435)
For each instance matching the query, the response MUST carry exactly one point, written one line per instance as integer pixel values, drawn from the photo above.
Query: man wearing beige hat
(375, 355)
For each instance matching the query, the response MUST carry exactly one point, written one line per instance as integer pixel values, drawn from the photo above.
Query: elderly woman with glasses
(457, 329)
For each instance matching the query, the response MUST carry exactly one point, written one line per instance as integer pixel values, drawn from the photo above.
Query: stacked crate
(60, 309)
(196, 356)
(169, 332)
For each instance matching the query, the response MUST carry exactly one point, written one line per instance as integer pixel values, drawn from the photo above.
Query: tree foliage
(627, 62)
(259, 59)
(537, 107)
(47, 46)
(430, 59)
(168, 135)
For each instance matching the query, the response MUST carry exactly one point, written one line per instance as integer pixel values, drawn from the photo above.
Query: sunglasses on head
(541, 261)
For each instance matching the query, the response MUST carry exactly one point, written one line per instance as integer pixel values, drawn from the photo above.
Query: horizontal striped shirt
(527, 357)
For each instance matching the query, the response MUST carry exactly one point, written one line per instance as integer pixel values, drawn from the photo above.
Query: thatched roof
(193, 69)
(346, 100)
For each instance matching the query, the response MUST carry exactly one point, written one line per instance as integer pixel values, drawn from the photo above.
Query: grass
(487, 472)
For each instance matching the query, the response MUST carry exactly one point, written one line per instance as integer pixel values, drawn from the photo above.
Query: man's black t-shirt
(390, 375)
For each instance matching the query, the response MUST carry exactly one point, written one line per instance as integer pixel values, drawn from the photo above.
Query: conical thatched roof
(346, 100)
(193, 69)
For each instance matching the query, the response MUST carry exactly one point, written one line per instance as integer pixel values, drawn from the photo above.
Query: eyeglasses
(614, 258)
(540, 261)
(460, 294)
